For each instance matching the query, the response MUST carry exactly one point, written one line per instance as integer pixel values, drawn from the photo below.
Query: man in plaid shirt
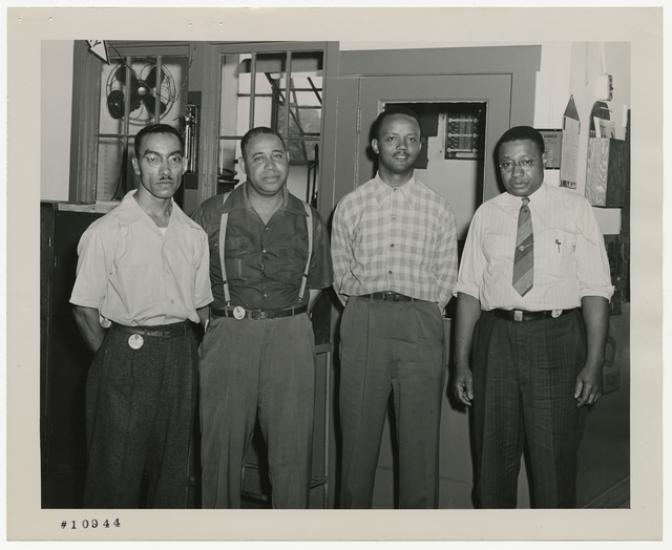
(394, 251)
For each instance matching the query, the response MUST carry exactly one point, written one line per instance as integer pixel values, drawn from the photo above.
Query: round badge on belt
(239, 312)
(135, 341)
(556, 313)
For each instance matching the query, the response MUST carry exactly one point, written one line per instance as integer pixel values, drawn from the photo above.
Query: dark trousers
(398, 348)
(265, 368)
(524, 380)
(140, 407)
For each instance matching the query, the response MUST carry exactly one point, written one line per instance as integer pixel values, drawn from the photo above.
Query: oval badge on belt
(135, 341)
(239, 313)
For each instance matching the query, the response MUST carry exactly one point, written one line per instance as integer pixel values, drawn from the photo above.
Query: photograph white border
(410, 27)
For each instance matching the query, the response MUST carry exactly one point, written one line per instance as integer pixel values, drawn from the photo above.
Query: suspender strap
(309, 223)
(222, 245)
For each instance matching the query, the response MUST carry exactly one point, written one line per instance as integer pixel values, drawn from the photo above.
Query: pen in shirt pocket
(558, 243)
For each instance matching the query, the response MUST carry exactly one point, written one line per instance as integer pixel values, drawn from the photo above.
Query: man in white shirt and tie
(532, 318)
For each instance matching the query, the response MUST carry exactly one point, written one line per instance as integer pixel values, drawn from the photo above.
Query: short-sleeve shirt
(264, 262)
(570, 260)
(135, 274)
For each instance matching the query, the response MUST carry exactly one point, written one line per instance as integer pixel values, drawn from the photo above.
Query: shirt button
(392, 245)
(389, 273)
(263, 251)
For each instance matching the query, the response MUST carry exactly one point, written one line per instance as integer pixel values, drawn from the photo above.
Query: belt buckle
(556, 313)
(517, 315)
(239, 313)
(136, 341)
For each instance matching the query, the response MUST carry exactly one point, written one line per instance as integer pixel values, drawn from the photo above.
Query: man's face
(160, 165)
(398, 144)
(521, 167)
(266, 164)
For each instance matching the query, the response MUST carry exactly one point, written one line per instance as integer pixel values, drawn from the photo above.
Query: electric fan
(143, 90)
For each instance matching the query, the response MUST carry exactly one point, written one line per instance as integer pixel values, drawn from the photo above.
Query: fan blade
(120, 75)
(115, 104)
(150, 103)
(132, 88)
(151, 78)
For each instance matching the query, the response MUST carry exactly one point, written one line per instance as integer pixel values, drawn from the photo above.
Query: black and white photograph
(334, 271)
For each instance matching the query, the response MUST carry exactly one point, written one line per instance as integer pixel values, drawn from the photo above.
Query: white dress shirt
(570, 259)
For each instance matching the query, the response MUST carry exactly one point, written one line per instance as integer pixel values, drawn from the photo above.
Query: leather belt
(520, 315)
(389, 296)
(159, 331)
(239, 312)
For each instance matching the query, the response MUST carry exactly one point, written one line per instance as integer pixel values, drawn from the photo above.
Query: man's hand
(463, 386)
(595, 310)
(588, 386)
(87, 319)
(468, 312)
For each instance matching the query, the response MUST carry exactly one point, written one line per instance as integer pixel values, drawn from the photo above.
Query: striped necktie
(523, 265)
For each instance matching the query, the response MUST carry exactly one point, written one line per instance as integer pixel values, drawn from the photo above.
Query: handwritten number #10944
(89, 524)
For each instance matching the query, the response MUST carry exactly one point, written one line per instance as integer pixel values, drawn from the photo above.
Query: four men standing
(532, 316)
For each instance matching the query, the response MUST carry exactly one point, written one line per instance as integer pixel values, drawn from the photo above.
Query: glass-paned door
(281, 89)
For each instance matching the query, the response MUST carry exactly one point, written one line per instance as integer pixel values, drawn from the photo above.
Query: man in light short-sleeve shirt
(142, 280)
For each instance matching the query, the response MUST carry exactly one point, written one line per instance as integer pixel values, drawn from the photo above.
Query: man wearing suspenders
(270, 259)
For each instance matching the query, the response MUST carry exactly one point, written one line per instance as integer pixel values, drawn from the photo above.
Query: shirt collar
(239, 200)
(383, 189)
(131, 211)
(536, 197)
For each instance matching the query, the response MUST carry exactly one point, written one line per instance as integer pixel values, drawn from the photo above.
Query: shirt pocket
(555, 248)
(290, 261)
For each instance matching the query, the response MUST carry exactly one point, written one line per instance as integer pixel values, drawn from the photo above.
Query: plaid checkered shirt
(395, 239)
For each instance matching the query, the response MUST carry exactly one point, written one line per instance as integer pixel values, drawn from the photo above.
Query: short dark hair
(156, 129)
(257, 131)
(521, 132)
(391, 111)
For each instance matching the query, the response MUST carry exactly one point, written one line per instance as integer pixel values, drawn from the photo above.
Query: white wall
(56, 108)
